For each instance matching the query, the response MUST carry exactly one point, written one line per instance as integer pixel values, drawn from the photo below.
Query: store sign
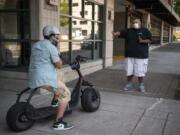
(110, 14)
(53, 2)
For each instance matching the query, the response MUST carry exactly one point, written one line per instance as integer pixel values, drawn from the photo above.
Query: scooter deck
(44, 112)
(41, 113)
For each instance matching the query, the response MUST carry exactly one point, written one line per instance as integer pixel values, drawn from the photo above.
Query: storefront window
(98, 50)
(64, 49)
(83, 30)
(98, 31)
(9, 26)
(14, 33)
(83, 48)
(10, 53)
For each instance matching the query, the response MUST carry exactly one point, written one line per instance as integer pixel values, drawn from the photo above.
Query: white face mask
(54, 40)
(136, 25)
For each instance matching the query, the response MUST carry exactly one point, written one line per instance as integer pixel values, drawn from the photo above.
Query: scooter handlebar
(76, 63)
(81, 58)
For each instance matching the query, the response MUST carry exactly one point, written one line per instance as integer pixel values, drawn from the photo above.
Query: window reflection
(97, 50)
(97, 12)
(64, 49)
(82, 48)
(82, 30)
(88, 7)
(85, 31)
(77, 8)
(64, 24)
(10, 53)
(14, 33)
(97, 30)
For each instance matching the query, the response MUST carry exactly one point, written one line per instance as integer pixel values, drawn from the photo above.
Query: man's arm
(120, 34)
(144, 40)
(147, 39)
(116, 33)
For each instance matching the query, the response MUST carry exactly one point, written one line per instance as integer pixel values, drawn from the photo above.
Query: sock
(59, 119)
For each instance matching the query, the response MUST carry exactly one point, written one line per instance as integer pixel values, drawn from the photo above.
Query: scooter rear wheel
(17, 119)
(90, 99)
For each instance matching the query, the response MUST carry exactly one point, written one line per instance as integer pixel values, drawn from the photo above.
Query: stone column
(34, 13)
(108, 28)
(162, 33)
(48, 15)
(170, 34)
(42, 14)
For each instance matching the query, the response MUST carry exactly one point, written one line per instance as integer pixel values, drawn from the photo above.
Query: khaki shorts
(62, 92)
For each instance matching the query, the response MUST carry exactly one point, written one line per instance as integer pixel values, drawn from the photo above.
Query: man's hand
(116, 33)
(144, 40)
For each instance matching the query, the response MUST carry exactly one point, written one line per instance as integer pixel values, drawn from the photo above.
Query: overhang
(159, 8)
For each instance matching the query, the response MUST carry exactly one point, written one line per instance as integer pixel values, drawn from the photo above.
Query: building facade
(86, 29)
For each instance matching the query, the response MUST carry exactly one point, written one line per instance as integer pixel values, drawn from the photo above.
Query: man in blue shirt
(43, 67)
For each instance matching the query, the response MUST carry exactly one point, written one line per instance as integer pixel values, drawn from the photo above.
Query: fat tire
(13, 117)
(90, 99)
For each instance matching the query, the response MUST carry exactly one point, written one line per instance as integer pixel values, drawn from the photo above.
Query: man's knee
(63, 95)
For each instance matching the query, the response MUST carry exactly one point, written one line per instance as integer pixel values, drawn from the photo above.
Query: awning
(159, 8)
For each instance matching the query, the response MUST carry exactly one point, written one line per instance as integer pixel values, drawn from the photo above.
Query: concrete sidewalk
(120, 113)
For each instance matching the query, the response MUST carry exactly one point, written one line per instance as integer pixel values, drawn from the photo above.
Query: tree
(177, 6)
(64, 9)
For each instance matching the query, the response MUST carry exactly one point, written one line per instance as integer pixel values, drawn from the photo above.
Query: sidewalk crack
(159, 100)
(165, 123)
(139, 120)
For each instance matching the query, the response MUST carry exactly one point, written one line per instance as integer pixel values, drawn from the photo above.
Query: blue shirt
(42, 70)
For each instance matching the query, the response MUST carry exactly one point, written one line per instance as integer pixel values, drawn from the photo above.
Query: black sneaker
(61, 125)
(55, 103)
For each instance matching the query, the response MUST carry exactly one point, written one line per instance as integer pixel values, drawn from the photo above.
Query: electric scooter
(22, 115)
